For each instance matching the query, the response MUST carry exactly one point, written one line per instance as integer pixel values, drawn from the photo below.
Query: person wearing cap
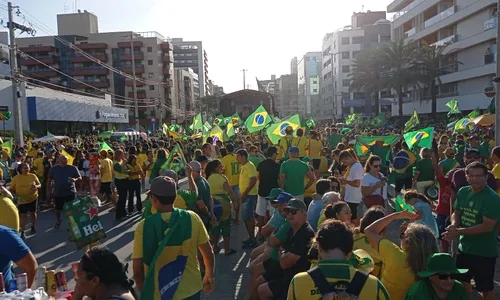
(438, 280)
(475, 222)
(267, 177)
(292, 174)
(163, 193)
(449, 162)
(335, 246)
(293, 259)
(248, 196)
(285, 143)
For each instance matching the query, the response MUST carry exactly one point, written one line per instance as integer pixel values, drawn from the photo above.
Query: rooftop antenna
(362, 8)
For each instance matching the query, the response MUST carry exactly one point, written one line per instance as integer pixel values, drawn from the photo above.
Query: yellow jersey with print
(191, 282)
(496, 173)
(361, 242)
(231, 169)
(22, 185)
(106, 170)
(38, 165)
(134, 169)
(248, 171)
(315, 148)
(337, 273)
(216, 182)
(185, 199)
(301, 143)
(9, 215)
(396, 275)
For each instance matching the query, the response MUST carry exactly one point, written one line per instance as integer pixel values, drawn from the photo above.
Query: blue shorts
(236, 190)
(249, 207)
(442, 222)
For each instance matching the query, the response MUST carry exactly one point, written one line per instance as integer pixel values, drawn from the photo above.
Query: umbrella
(130, 129)
(106, 134)
(48, 138)
(143, 135)
(485, 120)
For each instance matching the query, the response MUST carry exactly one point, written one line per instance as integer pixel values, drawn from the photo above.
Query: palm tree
(399, 60)
(367, 74)
(429, 63)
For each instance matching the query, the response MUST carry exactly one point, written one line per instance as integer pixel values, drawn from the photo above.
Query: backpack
(328, 292)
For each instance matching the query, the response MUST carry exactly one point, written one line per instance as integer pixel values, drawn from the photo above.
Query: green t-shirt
(486, 147)
(334, 140)
(256, 160)
(422, 289)
(294, 171)
(281, 233)
(473, 207)
(382, 152)
(448, 164)
(426, 170)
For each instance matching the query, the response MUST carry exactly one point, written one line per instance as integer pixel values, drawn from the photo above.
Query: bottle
(74, 228)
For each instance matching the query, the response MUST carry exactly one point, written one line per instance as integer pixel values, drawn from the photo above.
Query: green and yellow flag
(453, 106)
(474, 114)
(217, 131)
(276, 131)
(236, 119)
(218, 120)
(311, 122)
(362, 151)
(258, 120)
(7, 146)
(463, 124)
(401, 205)
(230, 130)
(176, 160)
(378, 121)
(412, 122)
(353, 119)
(105, 146)
(197, 122)
(422, 138)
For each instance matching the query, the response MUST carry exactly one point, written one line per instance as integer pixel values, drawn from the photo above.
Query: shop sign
(109, 115)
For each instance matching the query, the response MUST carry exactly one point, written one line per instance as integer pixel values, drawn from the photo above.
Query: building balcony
(141, 94)
(447, 40)
(137, 44)
(167, 58)
(138, 55)
(41, 72)
(441, 16)
(490, 24)
(97, 84)
(167, 70)
(82, 71)
(89, 46)
(166, 46)
(80, 58)
(404, 10)
(37, 49)
(139, 82)
(37, 60)
(474, 72)
(139, 69)
(490, 58)
(410, 32)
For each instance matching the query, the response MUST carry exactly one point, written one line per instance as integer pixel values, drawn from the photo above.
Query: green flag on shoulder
(176, 160)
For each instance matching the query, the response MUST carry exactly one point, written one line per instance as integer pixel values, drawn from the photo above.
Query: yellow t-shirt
(191, 280)
(496, 174)
(285, 143)
(33, 152)
(301, 143)
(145, 165)
(38, 164)
(216, 182)
(311, 190)
(141, 158)
(119, 170)
(248, 171)
(396, 275)
(106, 170)
(361, 242)
(134, 168)
(21, 185)
(9, 215)
(315, 148)
(302, 286)
(323, 165)
(231, 169)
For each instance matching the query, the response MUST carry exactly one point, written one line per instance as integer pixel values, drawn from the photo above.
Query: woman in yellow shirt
(9, 215)
(135, 175)
(223, 195)
(314, 148)
(26, 185)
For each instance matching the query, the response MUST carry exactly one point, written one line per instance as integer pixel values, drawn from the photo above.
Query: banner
(83, 222)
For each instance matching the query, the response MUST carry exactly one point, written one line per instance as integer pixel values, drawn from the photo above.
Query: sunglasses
(473, 157)
(444, 276)
(376, 166)
(291, 211)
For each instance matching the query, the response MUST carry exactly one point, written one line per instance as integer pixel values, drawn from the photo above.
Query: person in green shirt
(437, 282)
(292, 174)
(255, 157)
(449, 163)
(475, 222)
(334, 138)
(424, 175)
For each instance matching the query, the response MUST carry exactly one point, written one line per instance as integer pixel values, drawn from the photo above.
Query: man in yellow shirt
(106, 177)
(163, 193)
(285, 143)
(232, 172)
(248, 195)
(300, 142)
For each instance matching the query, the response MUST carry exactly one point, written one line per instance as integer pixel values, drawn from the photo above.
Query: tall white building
(308, 75)
(470, 28)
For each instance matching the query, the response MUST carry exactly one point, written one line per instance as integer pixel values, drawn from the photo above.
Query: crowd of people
(316, 213)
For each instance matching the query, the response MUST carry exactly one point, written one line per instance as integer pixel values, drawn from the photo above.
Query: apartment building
(186, 92)
(190, 54)
(339, 49)
(147, 54)
(308, 77)
(293, 65)
(469, 28)
(286, 95)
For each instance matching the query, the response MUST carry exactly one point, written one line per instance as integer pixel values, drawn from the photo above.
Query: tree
(430, 71)
(399, 61)
(209, 105)
(366, 74)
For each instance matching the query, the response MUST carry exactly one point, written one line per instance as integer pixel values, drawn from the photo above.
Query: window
(355, 54)
(346, 82)
(345, 55)
(357, 39)
(151, 87)
(346, 69)
(151, 75)
(150, 62)
(334, 44)
(346, 96)
(315, 90)
(345, 41)
(150, 49)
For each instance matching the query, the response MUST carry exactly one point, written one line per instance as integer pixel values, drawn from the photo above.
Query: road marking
(239, 262)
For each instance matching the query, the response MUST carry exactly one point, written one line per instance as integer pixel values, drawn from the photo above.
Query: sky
(261, 36)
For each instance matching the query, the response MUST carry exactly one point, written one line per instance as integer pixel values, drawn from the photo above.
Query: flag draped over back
(257, 120)
(176, 160)
(422, 138)
(361, 150)
(276, 131)
(453, 106)
(412, 122)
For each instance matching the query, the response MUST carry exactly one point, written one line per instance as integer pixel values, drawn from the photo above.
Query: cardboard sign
(83, 222)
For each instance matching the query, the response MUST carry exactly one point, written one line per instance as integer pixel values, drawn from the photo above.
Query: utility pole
(497, 96)
(136, 105)
(244, 77)
(18, 124)
(333, 89)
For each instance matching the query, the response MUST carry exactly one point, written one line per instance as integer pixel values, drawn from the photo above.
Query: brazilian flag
(362, 151)
(412, 122)
(276, 131)
(422, 138)
(258, 120)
